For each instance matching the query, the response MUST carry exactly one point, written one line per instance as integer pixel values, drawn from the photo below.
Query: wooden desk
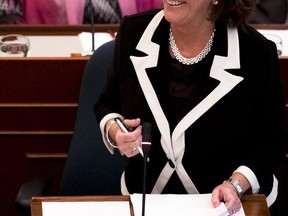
(254, 205)
(55, 29)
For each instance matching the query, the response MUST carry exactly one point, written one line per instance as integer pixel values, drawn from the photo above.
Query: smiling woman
(215, 99)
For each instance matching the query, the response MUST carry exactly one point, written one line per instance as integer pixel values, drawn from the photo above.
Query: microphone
(146, 143)
(146, 139)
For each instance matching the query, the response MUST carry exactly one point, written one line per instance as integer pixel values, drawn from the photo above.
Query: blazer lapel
(141, 64)
(227, 82)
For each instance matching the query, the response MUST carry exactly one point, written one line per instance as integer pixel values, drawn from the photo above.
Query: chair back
(90, 169)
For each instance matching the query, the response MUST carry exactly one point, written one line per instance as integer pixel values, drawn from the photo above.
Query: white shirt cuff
(251, 177)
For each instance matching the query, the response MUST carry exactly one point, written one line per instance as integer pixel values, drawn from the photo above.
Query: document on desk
(176, 204)
(87, 208)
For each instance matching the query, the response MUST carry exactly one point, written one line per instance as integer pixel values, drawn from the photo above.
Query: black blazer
(238, 119)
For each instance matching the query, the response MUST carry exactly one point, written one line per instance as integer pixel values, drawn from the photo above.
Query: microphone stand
(92, 24)
(144, 184)
(146, 143)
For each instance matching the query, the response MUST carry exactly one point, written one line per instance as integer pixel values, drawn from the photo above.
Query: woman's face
(186, 12)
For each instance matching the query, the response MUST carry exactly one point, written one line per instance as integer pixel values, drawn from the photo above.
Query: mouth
(175, 2)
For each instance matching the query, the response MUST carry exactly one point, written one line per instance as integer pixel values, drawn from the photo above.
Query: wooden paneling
(38, 104)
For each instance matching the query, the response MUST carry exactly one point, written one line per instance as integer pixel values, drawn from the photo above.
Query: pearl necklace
(193, 60)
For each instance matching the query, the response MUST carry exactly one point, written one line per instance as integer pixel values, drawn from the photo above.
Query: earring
(215, 2)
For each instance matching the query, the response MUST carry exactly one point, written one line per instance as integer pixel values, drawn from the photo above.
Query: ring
(234, 210)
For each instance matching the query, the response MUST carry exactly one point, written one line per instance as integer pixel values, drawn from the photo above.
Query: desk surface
(254, 205)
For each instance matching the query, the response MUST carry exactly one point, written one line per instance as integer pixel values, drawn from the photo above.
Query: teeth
(174, 3)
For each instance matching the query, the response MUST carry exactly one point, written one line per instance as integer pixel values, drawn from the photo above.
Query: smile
(174, 3)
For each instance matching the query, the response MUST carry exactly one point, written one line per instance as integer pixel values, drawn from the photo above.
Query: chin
(171, 17)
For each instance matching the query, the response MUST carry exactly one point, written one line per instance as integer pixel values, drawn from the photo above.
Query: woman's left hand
(226, 193)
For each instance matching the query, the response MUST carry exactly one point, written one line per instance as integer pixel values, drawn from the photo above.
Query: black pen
(123, 128)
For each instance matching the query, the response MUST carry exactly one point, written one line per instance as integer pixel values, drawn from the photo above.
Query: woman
(210, 86)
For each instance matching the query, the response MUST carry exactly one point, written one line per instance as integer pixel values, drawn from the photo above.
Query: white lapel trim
(227, 82)
(140, 64)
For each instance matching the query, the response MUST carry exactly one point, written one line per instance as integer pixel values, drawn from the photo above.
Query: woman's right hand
(127, 143)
